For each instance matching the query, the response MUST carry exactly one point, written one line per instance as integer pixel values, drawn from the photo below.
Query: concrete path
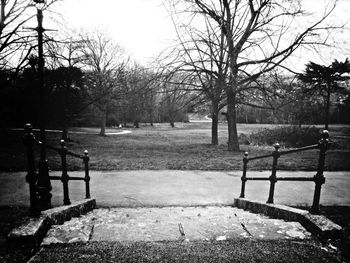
(169, 216)
(180, 188)
(108, 132)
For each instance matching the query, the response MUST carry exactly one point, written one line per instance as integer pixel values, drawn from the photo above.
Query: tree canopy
(326, 80)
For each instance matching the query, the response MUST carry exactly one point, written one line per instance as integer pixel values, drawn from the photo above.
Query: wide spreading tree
(325, 80)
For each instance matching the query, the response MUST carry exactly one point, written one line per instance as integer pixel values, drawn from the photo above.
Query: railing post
(65, 176)
(32, 176)
(273, 177)
(319, 178)
(244, 175)
(86, 159)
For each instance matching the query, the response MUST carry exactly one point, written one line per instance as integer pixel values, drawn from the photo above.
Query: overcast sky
(144, 28)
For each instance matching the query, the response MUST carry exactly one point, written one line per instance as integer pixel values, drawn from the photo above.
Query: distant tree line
(73, 99)
(225, 64)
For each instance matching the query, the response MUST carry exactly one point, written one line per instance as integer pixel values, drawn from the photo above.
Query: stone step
(172, 224)
(34, 229)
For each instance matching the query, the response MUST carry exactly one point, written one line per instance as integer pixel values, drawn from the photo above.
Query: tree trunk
(103, 122)
(233, 144)
(214, 124)
(151, 118)
(214, 130)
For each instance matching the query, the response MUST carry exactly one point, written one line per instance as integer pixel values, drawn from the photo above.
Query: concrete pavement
(185, 224)
(185, 213)
(180, 188)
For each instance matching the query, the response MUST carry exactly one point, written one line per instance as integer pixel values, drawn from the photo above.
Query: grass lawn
(185, 147)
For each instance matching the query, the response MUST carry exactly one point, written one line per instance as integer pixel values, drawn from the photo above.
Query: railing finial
(325, 134)
(277, 146)
(28, 128)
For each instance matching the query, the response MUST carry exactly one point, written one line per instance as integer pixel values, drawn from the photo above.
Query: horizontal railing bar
(59, 150)
(281, 178)
(75, 155)
(48, 146)
(55, 177)
(257, 178)
(76, 178)
(315, 146)
(295, 179)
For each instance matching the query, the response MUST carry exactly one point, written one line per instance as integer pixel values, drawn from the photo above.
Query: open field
(185, 147)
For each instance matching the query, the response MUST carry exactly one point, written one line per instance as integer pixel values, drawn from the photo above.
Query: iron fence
(319, 178)
(32, 176)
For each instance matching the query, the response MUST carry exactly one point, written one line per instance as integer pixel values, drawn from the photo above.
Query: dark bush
(287, 136)
(244, 139)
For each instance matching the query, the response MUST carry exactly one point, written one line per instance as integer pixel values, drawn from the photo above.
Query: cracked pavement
(183, 224)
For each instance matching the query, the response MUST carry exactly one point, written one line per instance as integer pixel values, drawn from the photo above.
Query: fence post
(244, 175)
(32, 176)
(273, 177)
(319, 178)
(64, 177)
(86, 159)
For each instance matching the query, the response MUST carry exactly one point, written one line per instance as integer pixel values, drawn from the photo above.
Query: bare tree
(16, 43)
(65, 52)
(259, 36)
(174, 100)
(202, 59)
(103, 60)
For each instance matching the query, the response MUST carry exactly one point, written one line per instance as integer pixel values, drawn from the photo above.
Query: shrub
(287, 136)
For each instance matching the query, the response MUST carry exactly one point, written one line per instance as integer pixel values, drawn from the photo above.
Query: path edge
(33, 230)
(318, 225)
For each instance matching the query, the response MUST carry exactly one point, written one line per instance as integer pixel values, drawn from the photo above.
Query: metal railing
(319, 178)
(32, 176)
